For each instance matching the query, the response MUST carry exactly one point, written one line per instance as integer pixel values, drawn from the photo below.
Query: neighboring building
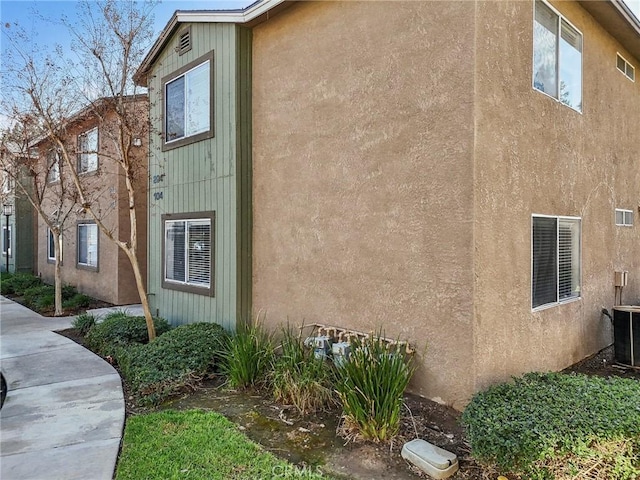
(19, 238)
(91, 262)
(462, 174)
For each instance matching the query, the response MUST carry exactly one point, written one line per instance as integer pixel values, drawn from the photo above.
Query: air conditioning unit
(626, 334)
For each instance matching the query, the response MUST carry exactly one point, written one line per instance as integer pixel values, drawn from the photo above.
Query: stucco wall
(537, 156)
(363, 176)
(114, 281)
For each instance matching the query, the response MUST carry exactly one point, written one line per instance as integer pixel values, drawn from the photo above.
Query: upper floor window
(188, 104)
(8, 184)
(624, 218)
(53, 166)
(626, 68)
(557, 57)
(88, 151)
(555, 265)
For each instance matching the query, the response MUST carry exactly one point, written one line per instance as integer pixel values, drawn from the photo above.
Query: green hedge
(119, 329)
(16, 284)
(176, 360)
(527, 424)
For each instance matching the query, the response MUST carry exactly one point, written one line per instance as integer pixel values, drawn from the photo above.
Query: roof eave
(618, 20)
(253, 14)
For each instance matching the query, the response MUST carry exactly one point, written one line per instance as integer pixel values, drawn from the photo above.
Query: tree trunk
(142, 292)
(57, 275)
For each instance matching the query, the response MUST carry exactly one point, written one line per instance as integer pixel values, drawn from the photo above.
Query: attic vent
(184, 42)
(626, 68)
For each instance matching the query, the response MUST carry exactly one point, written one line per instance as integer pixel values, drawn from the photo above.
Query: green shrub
(539, 421)
(36, 297)
(83, 323)
(118, 329)
(175, 361)
(79, 300)
(301, 379)
(17, 283)
(249, 356)
(371, 386)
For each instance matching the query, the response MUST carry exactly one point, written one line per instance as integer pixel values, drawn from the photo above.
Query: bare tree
(40, 183)
(110, 38)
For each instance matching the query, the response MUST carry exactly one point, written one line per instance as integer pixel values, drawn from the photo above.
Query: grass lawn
(197, 445)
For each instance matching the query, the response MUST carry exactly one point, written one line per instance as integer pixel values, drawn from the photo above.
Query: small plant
(83, 323)
(38, 297)
(76, 301)
(249, 356)
(177, 360)
(118, 329)
(371, 387)
(540, 421)
(301, 379)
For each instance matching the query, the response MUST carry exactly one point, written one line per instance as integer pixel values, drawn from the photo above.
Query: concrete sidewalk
(64, 411)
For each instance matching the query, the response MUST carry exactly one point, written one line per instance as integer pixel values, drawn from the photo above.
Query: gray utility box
(433, 460)
(626, 334)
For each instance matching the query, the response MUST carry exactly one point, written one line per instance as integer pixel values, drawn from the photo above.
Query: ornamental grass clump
(555, 425)
(300, 379)
(249, 356)
(371, 385)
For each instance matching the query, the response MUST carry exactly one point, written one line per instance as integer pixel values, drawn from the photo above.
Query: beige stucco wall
(114, 281)
(363, 176)
(536, 156)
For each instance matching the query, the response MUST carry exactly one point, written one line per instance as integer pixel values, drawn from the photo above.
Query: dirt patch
(604, 365)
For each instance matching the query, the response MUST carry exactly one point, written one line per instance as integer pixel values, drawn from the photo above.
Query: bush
(83, 323)
(77, 301)
(249, 356)
(16, 284)
(119, 329)
(301, 379)
(175, 361)
(371, 387)
(37, 297)
(540, 423)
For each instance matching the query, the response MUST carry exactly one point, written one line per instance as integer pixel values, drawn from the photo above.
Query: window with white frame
(51, 247)
(555, 260)
(187, 253)
(8, 183)
(88, 151)
(53, 166)
(557, 56)
(188, 103)
(625, 67)
(624, 218)
(6, 240)
(88, 245)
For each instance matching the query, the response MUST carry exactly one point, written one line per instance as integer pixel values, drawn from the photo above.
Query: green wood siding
(203, 176)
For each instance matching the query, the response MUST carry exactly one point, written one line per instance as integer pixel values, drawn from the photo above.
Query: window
(557, 57)
(555, 266)
(187, 252)
(53, 166)
(88, 245)
(626, 68)
(188, 105)
(6, 240)
(51, 248)
(8, 183)
(88, 151)
(624, 218)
